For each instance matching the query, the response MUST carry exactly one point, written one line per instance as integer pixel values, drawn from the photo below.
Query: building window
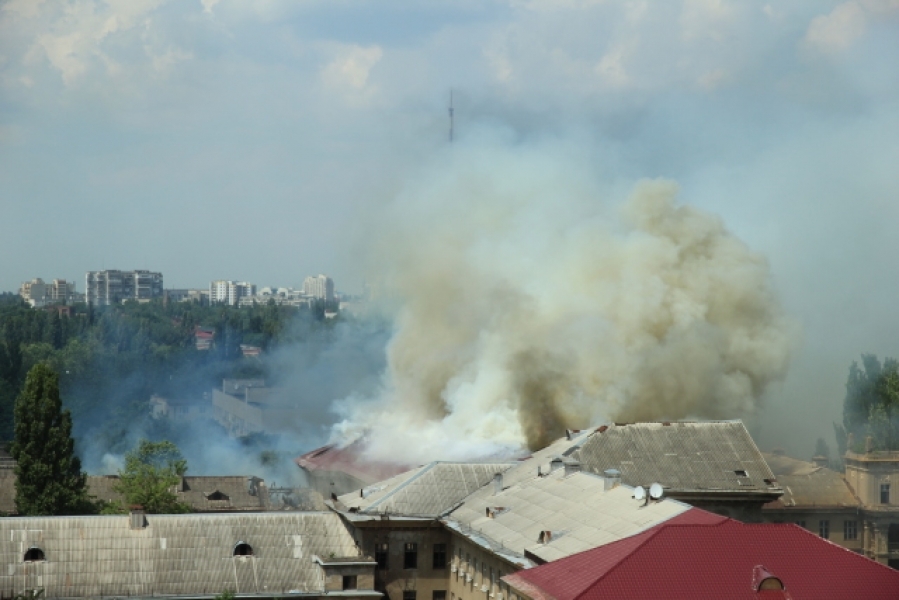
(410, 557)
(408, 594)
(440, 557)
(850, 530)
(824, 528)
(884, 493)
(438, 595)
(243, 549)
(34, 555)
(381, 554)
(349, 582)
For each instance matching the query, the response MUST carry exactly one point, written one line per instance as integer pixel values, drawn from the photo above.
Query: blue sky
(253, 140)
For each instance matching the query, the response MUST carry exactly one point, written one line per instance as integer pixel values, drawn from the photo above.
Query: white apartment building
(38, 293)
(104, 288)
(230, 292)
(320, 287)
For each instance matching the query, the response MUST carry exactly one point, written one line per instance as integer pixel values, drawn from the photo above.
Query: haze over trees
(152, 469)
(49, 480)
(871, 406)
(111, 360)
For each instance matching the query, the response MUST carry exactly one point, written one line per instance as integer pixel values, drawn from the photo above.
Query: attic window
(34, 555)
(740, 473)
(243, 549)
(217, 495)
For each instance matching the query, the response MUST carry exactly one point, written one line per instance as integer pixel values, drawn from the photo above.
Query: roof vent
(137, 517)
(497, 483)
(612, 478)
(555, 464)
(572, 467)
(570, 434)
(763, 579)
(545, 537)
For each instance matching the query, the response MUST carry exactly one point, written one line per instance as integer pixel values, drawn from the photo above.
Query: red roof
(349, 459)
(720, 558)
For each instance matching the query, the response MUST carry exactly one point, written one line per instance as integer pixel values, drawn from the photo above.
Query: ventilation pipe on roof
(137, 516)
(497, 483)
(763, 579)
(612, 479)
(571, 467)
(554, 464)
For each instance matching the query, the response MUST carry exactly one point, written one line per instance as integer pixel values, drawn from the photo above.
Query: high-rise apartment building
(112, 287)
(38, 293)
(230, 292)
(321, 287)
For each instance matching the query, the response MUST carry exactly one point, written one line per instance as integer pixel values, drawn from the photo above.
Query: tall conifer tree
(49, 480)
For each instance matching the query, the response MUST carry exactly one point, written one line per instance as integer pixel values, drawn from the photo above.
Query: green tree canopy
(49, 480)
(871, 406)
(152, 470)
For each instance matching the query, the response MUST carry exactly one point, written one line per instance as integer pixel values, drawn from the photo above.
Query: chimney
(554, 464)
(137, 516)
(820, 461)
(571, 467)
(612, 479)
(869, 444)
(497, 483)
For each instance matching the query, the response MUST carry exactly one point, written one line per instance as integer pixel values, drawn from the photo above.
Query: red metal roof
(349, 459)
(715, 559)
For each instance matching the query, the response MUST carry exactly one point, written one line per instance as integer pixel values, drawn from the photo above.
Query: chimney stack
(571, 467)
(137, 516)
(497, 484)
(612, 479)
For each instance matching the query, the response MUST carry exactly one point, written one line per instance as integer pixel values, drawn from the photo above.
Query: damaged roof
(429, 490)
(173, 555)
(576, 509)
(714, 456)
(350, 460)
(807, 485)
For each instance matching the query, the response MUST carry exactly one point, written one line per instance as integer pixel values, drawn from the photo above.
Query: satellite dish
(655, 491)
(639, 492)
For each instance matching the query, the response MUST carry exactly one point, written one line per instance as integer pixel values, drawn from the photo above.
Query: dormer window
(217, 495)
(243, 549)
(34, 555)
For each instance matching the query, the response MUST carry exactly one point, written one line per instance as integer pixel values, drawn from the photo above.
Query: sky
(259, 140)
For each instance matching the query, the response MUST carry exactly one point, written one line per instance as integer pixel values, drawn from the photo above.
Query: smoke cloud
(530, 297)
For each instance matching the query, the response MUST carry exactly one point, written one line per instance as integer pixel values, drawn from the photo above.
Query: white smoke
(528, 302)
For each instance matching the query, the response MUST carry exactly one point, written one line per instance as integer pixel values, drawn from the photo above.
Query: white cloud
(348, 72)
(208, 5)
(837, 31)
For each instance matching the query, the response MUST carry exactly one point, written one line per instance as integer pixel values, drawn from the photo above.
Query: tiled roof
(429, 490)
(179, 555)
(576, 509)
(717, 456)
(697, 561)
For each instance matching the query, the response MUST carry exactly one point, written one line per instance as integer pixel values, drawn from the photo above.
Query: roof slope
(576, 508)
(697, 561)
(430, 490)
(174, 555)
(708, 457)
(807, 485)
(350, 460)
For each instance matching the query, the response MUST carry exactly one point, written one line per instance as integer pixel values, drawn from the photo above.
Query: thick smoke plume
(529, 300)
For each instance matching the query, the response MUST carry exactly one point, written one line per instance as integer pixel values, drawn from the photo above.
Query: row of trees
(49, 479)
(871, 406)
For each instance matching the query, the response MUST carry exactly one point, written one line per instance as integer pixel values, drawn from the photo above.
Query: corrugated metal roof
(717, 456)
(429, 490)
(174, 555)
(575, 508)
(716, 560)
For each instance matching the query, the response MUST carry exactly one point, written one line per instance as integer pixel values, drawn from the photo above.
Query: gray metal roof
(708, 457)
(806, 485)
(429, 490)
(179, 555)
(576, 508)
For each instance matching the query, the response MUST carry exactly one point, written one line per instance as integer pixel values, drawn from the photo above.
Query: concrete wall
(473, 569)
(365, 577)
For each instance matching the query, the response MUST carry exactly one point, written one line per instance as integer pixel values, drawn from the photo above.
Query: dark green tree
(871, 405)
(151, 472)
(49, 480)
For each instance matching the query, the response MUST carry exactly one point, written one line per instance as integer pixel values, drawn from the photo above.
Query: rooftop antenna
(451, 116)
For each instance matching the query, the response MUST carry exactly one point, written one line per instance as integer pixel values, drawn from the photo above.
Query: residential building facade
(104, 288)
(229, 292)
(320, 287)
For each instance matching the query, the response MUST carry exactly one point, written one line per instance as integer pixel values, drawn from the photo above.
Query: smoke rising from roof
(530, 298)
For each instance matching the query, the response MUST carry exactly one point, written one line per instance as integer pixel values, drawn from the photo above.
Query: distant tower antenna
(451, 116)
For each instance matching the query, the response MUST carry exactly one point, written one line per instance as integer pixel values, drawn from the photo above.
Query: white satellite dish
(639, 492)
(656, 491)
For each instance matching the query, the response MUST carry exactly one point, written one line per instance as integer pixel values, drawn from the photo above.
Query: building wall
(365, 577)
(866, 473)
(475, 572)
(103, 288)
(395, 580)
(832, 522)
